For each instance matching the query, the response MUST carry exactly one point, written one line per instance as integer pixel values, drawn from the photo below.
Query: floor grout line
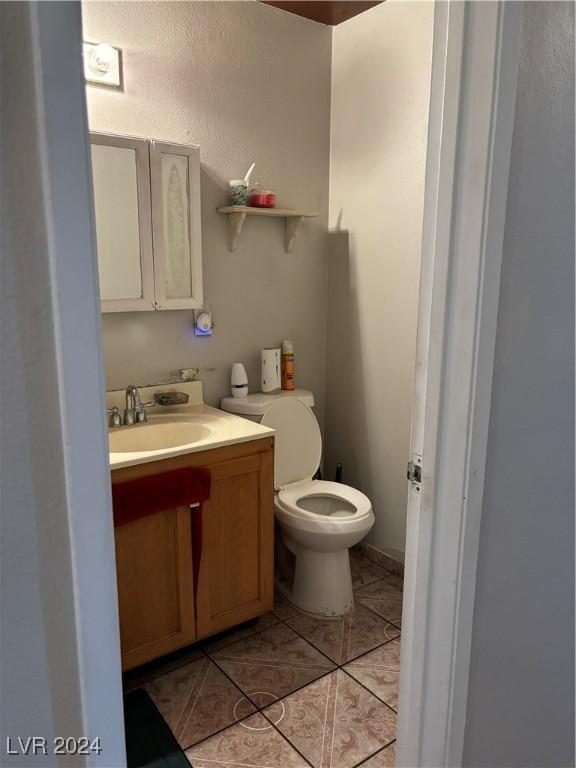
(301, 636)
(368, 689)
(300, 688)
(249, 634)
(378, 751)
(334, 718)
(382, 578)
(291, 743)
(156, 675)
(347, 621)
(372, 581)
(287, 740)
(335, 667)
(203, 654)
(225, 727)
(357, 658)
(342, 664)
(270, 663)
(388, 575)
(324, 727)
(206, 653)
(216, 733)
(198, 692)
(396, 626)
(279, 698)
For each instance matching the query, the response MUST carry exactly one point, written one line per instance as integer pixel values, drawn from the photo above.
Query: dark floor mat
(149, 741)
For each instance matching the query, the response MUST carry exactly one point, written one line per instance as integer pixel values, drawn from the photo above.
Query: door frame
(60, 120)
(473, 88)
(474, 77)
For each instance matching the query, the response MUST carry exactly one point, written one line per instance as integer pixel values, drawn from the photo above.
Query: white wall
(380, 98)
(59, 643)
(521, 688)
(246, 82)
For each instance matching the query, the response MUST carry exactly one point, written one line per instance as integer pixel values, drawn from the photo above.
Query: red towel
(134, 499)
(156, 493)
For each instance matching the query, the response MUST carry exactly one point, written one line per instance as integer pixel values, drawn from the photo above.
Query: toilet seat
(297, 452)
(291, 497)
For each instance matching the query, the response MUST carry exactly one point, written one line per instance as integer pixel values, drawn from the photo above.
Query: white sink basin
(156, 436)
(175, 431)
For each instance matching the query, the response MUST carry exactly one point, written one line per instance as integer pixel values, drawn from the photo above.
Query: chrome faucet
(135, 412)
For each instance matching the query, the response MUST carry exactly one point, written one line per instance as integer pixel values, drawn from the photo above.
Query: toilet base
(322, 581)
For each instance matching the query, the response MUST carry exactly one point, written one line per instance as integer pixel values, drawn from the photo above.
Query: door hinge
(414, 471)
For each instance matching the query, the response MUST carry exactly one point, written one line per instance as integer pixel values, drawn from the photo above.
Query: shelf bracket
(292, 222)
(292, 226)
(235, 224)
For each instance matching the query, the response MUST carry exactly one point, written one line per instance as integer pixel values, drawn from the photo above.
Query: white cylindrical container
(271, 370)
(238, 380)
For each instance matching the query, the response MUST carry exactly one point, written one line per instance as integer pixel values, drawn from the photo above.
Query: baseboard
(392, 564)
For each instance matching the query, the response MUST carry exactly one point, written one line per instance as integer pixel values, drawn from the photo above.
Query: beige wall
(380, 94)
(246, 82)
(310, 105)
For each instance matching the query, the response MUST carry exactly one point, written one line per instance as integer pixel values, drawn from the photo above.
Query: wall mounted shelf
(292, 222)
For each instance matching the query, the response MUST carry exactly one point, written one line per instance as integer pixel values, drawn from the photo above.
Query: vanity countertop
(176, 430)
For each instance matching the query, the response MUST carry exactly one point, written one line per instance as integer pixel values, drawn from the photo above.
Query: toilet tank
(253, 406)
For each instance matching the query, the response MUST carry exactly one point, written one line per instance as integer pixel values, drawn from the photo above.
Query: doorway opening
(459, 219)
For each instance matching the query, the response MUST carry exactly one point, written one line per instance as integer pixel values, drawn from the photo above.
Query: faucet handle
(139, 415)
(115, 419)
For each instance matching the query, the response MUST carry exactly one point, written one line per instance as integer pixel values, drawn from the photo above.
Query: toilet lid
(297, 443)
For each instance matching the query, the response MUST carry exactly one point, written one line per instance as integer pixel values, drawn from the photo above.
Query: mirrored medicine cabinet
(148, 224)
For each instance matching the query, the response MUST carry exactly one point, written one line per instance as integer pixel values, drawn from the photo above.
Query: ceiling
(326, 12)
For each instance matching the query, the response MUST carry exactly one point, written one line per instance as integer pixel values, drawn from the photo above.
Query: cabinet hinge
(414, 471)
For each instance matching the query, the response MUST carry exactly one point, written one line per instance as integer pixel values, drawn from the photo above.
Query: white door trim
(65, 169)
(474, 76)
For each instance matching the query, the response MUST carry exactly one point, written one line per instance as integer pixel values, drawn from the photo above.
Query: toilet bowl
(319, 520)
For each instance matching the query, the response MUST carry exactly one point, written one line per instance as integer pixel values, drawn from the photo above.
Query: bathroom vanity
(161, 609)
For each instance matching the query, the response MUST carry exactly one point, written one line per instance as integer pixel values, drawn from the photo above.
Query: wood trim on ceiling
(330, 12)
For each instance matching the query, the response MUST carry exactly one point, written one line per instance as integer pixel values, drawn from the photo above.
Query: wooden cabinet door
(236, 571)
(155, 585)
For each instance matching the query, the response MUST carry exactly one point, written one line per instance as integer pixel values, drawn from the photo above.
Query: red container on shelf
(262, 198)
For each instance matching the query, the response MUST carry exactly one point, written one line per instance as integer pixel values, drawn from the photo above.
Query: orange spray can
(288, 365)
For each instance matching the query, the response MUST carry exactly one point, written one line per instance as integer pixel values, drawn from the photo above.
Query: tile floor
(290, 690)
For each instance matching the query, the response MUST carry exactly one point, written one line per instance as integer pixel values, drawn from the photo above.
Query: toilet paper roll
(271, 370)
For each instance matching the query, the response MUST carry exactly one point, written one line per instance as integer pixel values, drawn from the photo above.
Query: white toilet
(319, 520)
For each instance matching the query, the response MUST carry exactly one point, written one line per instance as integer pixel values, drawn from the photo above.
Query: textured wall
(246, 82)
(521, 699)
(380, 99)
(59, 645)
(249, 82)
